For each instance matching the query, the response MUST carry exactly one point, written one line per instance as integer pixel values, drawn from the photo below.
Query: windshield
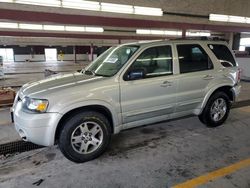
(111, 61)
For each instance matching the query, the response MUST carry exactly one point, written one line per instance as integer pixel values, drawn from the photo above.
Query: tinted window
(155, 61)
(222, 53)
(193, 58)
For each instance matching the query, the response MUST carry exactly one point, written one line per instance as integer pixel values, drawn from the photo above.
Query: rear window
(222, 53)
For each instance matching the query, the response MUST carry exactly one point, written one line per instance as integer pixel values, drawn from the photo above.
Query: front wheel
(85, 136)
(216, 111)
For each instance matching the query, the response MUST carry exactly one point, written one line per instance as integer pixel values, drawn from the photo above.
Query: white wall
(79, 57)
(244, 65)
(66, 57)
(22, 58)
(82, 57)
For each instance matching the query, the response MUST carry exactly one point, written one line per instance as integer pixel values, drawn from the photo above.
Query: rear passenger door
(196, 72)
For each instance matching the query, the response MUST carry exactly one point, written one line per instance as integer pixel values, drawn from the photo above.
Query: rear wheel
(85, 136)
(216, 111)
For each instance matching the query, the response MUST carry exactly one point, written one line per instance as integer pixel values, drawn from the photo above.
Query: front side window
(111, 61)
(155, 61)
(222, 53)
(193, 58)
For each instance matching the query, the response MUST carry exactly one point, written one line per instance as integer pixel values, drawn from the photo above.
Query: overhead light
(205, 34)
(198, 34)
(143, 31)
(66, 28)
(218, 17)
(94, 29)
(31, 26)
(229, 18)
(237, 19)
(8, 25)
(81, 4)
(159, 32)
(93, 6)
(54, 27)
(148, 11)
(247, 20)
(6, 1)
(173, 33)
(50, 3)
(118, 8)
(75, 28)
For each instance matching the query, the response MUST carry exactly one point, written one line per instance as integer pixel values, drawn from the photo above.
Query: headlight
(35, 105)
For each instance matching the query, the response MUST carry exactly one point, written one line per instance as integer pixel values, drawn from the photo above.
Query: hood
(56, 83)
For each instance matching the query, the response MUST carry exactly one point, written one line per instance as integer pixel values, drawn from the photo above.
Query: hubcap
(87, 137)
(218, 109)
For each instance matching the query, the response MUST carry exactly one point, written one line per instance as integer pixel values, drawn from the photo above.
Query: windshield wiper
(89, 72)
(102, 75)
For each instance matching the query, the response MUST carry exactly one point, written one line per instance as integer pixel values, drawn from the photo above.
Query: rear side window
(222, 53)
(193, 58)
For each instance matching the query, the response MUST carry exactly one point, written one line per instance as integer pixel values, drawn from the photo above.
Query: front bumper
(36, 128)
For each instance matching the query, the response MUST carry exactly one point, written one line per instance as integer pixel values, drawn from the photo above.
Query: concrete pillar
(236, 41)
(91, 52)
(230, 38)
(74, 51)
(184, 33)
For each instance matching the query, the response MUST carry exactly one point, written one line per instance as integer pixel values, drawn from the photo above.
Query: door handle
(208, 77)
(166, 84)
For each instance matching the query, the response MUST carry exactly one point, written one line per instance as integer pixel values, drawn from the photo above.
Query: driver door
(151, 97)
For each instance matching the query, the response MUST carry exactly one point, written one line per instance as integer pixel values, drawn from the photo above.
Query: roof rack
(201, 38)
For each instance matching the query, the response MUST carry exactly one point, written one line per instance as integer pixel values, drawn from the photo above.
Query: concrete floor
(37, 67)
(17, 74)
(159, 155)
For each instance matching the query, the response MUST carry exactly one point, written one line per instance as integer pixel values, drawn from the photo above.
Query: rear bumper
(236, 91)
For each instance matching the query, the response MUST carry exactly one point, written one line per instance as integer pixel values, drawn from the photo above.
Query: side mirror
(136, 74)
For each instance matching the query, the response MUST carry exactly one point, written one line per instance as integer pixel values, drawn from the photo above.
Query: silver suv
(128, 86)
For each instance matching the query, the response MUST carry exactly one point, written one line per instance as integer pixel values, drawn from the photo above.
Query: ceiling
(178, 14)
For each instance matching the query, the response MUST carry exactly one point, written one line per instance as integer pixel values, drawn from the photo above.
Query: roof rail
(201, 38)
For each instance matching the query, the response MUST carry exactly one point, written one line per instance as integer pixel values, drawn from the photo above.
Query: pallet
(7, 96)
(6, 105)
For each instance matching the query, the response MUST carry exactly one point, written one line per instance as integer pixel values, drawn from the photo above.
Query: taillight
(238, 75)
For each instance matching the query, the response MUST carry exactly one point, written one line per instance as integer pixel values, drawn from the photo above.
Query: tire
(85, 136)
(215, 115)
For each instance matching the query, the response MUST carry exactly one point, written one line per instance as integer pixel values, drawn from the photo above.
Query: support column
(91, 52)
(230, 40)
(236, 41)
(184, 33)
(74, 51)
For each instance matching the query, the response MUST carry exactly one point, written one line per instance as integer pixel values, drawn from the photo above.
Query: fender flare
(210, 93)
(116, 119)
